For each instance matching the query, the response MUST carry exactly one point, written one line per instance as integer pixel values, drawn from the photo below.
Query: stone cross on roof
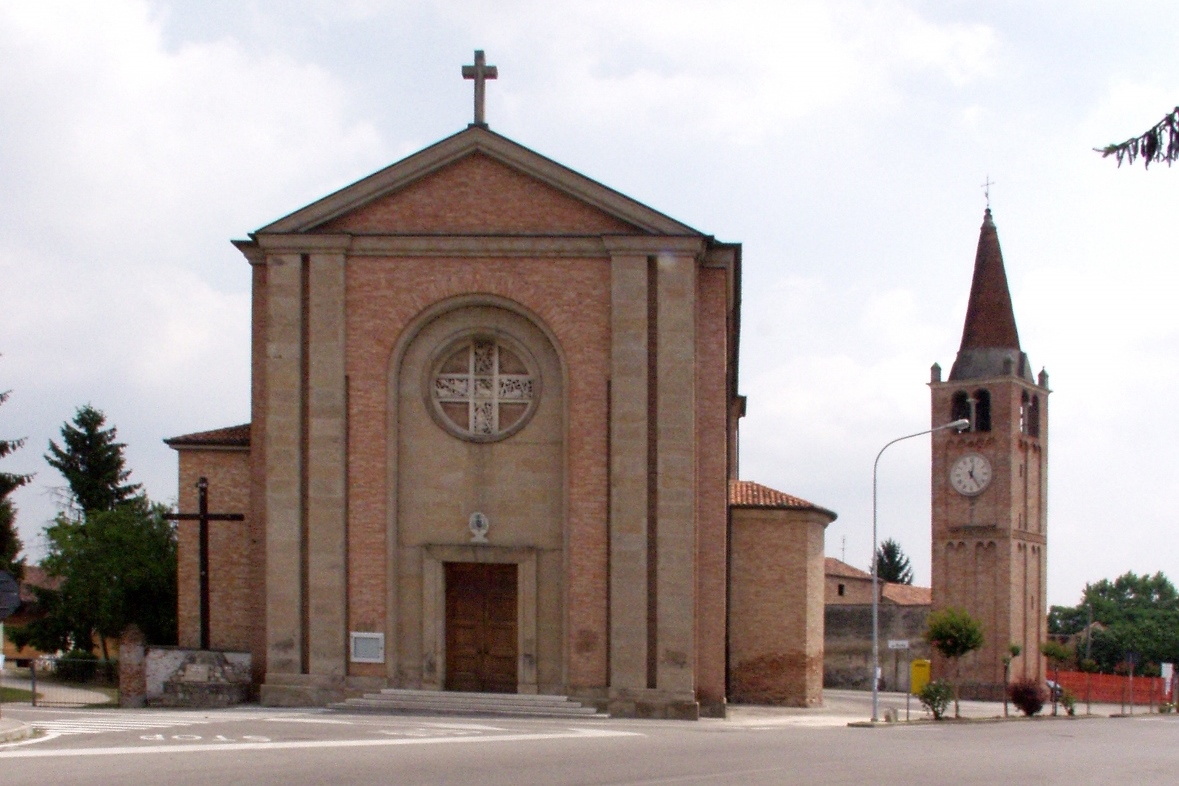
(480, 72)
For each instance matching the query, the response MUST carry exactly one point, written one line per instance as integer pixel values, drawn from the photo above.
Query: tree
(1131, 614)
(1012, 653)
(953, 633)
(117, 567)
(112, 549)
(92, 462)
(10, 545)
(1159, 143)
(892, 564)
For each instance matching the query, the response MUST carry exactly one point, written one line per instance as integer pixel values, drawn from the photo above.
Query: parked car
(1055, 692)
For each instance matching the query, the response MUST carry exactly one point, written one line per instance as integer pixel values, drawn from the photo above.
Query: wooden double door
(481, 644)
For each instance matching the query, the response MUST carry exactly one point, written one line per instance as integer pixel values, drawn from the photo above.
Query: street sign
(9, 594)
(898, 644)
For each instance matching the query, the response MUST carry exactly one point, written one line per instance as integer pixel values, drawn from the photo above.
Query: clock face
(970, 474)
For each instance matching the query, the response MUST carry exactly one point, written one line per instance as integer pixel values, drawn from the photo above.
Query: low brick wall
(132, 669)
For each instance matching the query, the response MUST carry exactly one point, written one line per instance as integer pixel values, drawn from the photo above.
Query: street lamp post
(959, 424)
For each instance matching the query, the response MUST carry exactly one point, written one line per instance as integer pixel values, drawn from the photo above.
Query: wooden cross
(204, 517)
(480, 72)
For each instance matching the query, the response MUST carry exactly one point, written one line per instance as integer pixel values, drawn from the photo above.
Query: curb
(969, 721)
(11, 731)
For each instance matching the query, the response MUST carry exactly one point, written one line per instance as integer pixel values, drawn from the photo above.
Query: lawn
(16, 695)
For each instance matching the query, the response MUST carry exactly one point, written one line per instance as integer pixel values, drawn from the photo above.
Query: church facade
(494, 448)
(989, 485)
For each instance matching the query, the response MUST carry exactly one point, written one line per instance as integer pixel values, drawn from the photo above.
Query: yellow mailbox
(918, 675)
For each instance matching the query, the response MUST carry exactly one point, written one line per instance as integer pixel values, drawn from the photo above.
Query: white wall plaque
(367, 647)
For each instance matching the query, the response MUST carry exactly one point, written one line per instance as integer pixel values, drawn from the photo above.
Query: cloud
(127, 166)
(741, 71)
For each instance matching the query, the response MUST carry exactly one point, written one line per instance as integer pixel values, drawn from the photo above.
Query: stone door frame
(434, 558)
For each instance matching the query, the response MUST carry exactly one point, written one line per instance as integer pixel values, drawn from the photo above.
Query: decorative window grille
(483, 390)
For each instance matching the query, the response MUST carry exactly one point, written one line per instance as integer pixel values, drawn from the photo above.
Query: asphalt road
(263, 746)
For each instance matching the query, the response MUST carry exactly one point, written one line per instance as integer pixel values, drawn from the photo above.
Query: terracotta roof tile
(231, 436)
(834, 567)
(747, 494)
(907, 595)
(36, 577)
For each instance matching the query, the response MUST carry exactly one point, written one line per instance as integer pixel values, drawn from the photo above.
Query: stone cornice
(619, 245)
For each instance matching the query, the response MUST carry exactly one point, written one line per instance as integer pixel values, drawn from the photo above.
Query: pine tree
(10, 545)
(892, 564)
(113, 551)
(1159, 143)
(92, 462)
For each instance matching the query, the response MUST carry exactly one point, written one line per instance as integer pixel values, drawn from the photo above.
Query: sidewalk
(12, 730)
(841, 707)
(53, 691)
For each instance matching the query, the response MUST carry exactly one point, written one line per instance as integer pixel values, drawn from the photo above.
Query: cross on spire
(986, 187)
(480, 72)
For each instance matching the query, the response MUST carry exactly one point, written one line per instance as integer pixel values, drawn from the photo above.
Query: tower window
(960, 406)
(841, 587)
(982, 410)
(1034, 417)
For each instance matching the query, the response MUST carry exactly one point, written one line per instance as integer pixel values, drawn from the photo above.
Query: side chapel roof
(747, 494)
(231, 437)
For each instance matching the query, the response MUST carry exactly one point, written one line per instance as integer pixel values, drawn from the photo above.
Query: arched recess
(960, 408)
(437, 479)
(982, 410)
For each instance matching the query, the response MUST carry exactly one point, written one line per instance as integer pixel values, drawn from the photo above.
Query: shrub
(936, 697)
(1069, 701)
(1166, 707)
(1028, 695)
(77, 666)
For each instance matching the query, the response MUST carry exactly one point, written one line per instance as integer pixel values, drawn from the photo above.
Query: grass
(18, 695)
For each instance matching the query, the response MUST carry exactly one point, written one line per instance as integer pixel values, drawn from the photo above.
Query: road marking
(307, 744)
(98, 726)
(94, 723)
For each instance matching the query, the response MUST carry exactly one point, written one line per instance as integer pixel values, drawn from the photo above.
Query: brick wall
(233, 613)
(776, 614)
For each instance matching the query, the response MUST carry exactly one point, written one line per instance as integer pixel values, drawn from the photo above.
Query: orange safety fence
(1111, 688)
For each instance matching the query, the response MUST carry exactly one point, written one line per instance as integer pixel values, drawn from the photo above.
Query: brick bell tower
(989, 485)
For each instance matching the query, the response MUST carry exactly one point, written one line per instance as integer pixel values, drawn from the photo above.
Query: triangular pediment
(478, 182)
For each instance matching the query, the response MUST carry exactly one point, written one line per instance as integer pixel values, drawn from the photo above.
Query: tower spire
(990, 340)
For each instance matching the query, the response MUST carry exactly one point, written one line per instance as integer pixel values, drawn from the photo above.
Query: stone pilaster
(326, 503)
(676, 440)
(284, 469)
(628, 473)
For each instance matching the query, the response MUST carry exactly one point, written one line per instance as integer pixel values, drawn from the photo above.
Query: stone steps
(395, 700)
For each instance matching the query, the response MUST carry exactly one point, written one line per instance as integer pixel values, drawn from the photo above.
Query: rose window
(483, 390)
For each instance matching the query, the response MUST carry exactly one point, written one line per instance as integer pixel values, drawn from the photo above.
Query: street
(754, 746)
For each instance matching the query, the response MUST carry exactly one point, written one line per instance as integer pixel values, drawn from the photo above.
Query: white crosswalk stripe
(96, 724)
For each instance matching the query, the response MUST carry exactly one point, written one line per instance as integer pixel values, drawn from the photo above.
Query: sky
(844, 144)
